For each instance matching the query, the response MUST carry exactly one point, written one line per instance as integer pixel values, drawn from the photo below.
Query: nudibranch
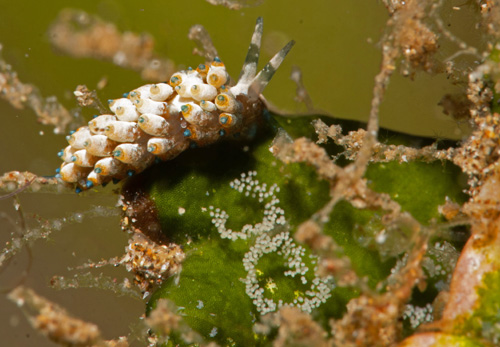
(157, 122)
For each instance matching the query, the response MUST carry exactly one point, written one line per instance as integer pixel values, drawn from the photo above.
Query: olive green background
(336, 49)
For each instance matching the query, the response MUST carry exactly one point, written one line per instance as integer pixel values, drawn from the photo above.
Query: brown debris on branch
(20, 95)
(149, 258)
(203, 41)
(55, 323)
(151, 263)
(479, 158)
(235, 4)
(15, 181)
(295, 328)
(416, 42)
(164, 320)
(491, 16)
(332, 259)
(353, 142)
(88, 98)
(84, 36)
(91, 280)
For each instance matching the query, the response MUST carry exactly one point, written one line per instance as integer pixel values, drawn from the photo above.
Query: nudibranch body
(197, 107)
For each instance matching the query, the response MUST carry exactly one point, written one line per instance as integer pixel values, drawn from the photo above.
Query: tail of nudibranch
(157, 122)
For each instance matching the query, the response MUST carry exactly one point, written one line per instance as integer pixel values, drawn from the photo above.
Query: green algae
(417, 187)
(456, 341)
(218, 299)
(198, 183)
(484, 320)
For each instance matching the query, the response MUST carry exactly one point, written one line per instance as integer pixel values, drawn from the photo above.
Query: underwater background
(336, 49)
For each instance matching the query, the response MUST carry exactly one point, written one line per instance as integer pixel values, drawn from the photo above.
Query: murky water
(336, 49)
